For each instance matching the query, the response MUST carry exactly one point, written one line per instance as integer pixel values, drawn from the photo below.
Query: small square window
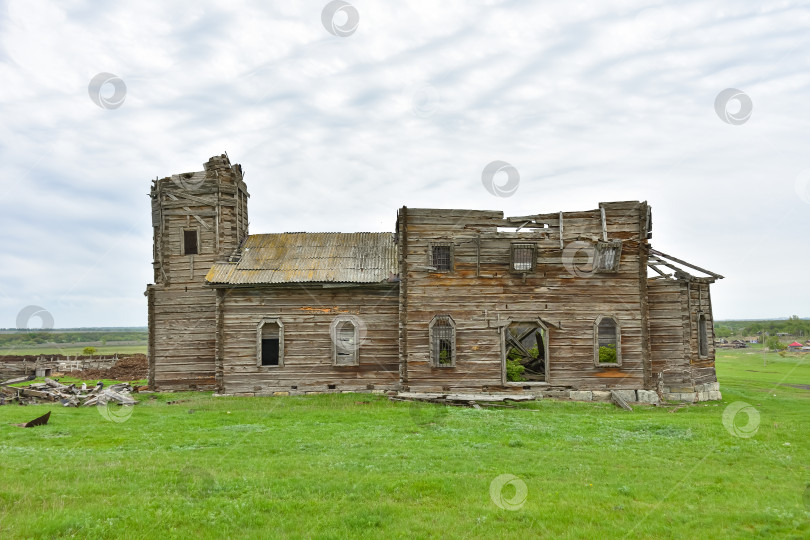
(523, 257)
(190, 243)
(606, 256)
(441, 257)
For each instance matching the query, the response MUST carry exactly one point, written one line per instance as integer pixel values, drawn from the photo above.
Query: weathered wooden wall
(307, 312)
(675, 305)
(668, 344)
(700, 302)
(182, 349)
(482, 292)
(182, 308)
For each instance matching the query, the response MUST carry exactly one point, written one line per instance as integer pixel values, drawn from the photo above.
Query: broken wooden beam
(689, 265)
(619, 401)
(18, 380)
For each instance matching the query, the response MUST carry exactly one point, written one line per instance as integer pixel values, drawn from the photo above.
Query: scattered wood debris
(462, 400)
(41, 421)
(68, 395)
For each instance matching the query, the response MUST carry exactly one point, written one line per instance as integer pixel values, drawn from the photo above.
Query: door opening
(526, 352)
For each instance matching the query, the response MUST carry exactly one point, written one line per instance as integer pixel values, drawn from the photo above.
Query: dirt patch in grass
(131, 368)
(800, 386)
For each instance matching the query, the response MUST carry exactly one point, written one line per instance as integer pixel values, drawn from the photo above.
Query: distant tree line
(793, 326)
(22, 339)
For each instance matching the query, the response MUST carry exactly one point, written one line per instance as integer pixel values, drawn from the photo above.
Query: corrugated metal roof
(310, 257)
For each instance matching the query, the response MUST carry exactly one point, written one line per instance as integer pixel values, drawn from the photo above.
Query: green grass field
(354, 465)
(72, 350)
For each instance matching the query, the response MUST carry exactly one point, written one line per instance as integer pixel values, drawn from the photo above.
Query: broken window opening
(526, 350)
(441, 257)
(606, 256)
(271, 343)
(523, 257)
(345, 342)
(190, 242)
(703, 341)
(443, 341)
(607, 342)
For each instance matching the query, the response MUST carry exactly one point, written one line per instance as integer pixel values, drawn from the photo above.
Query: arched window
(442, 332)
(270, 343)
(607, 343)
(345, 342)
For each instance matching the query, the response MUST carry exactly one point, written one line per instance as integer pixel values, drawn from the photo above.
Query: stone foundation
(701, 392)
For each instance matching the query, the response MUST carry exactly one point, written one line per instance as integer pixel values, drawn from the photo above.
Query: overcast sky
(589, 101)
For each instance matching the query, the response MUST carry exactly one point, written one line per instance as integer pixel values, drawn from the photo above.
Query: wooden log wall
(182, 308)
(482, 292)
(668, 316)
(675, 305)
(703, 370)
(307, 313)
(184, 341)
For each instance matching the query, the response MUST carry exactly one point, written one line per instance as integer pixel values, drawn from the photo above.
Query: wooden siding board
(307, 314)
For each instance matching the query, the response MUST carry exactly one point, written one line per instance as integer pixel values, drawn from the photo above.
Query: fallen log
(481, 398)
(28, 392)
(18, 380)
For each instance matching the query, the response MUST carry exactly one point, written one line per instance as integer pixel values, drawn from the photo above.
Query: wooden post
(403, 296)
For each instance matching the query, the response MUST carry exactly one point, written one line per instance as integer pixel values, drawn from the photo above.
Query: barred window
(523, 257)
(443, 341)
(441, 256)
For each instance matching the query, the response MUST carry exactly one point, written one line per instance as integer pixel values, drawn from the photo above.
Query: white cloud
(590, 101)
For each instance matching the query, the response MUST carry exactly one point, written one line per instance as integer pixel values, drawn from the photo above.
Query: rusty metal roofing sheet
(310, 257)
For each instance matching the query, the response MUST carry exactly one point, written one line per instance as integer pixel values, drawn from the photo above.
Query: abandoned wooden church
(450, 301)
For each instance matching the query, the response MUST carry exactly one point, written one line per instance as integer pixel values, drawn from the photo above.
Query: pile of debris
(68, 395)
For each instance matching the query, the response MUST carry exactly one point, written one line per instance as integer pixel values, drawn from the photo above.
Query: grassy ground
(336, 466)
(71, 350)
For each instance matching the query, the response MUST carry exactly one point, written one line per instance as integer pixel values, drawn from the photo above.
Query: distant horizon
(145, 327)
